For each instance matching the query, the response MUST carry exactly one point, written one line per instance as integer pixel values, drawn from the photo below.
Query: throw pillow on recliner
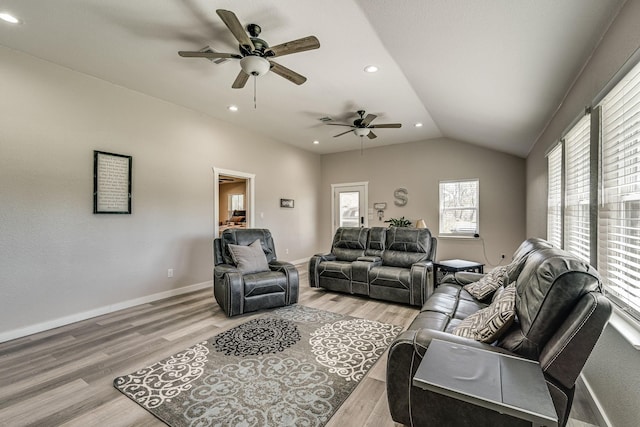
(249, 259)
(488, 284)
(488, 324)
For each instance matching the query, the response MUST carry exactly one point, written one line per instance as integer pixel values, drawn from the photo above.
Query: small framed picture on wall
(286, 203)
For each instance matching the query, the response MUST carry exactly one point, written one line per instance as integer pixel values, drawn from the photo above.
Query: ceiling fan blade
(368, 119)
(211, 55)
(372, 135)
(294, 46)
(339, 124)
(288, 74)
(343, 133)
(386, 125)
(240, 80)
(233, 24)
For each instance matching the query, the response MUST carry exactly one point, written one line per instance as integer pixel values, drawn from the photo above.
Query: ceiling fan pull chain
(255, 103)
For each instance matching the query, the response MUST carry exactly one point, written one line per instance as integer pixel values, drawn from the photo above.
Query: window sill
(626, 326)
(470, 237)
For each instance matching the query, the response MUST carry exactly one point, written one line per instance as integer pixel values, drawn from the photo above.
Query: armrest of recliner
(291, 273)
(227, 288)
(361, 266)
(422, 282)
(314, 262)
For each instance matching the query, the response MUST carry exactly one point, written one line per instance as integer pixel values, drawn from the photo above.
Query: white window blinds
(577, 238)
(554, 196)
(619, 212)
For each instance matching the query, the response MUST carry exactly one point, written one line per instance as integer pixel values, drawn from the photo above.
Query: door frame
(365, 214)
(249, 195)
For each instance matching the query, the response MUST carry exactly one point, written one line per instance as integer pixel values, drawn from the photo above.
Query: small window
(236, 203)
(459, 201)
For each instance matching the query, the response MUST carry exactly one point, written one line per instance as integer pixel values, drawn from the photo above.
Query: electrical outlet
(286, 251)
(170, 272)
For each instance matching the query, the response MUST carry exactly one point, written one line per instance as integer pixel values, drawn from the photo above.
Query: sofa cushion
(522, 253)
(490, 323)
(263, 283)
(549, 287)
(488, 284)
(406, 246)
(335, 269)
(249, 259)
(349, 243)
(392, 277)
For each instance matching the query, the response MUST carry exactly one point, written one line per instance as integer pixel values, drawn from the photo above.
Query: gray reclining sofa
(391, 264)
(560, 314)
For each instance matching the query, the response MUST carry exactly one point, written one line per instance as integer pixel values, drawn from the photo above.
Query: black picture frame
(287, 203)
(111, 183)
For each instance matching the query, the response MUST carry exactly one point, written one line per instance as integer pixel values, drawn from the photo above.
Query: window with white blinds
(577, 229)
(619, 211)
(554, 196)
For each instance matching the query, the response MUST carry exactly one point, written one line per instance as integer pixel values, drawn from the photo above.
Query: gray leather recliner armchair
(239, 293)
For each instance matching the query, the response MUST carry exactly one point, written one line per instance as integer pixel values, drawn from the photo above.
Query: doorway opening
(233, 197)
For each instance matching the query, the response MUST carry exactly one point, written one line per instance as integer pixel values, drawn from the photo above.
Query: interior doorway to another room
(233, 200)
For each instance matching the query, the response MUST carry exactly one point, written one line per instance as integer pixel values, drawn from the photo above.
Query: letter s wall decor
(401, 197)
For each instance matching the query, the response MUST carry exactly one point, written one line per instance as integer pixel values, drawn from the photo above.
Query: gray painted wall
(613, 370)
(58, 259)
(419, 167)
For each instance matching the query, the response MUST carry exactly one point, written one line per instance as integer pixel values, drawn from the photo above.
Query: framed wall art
(286, 203)
(111, 183)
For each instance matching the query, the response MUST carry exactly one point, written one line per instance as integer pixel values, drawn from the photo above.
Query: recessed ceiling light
(418, 125)
(233, 108)
(316, 142)
(370, 68)
(7, 17)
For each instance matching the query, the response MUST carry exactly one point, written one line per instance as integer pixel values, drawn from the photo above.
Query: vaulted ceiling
(488, 72)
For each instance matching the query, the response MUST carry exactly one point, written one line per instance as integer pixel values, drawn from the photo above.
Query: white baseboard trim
(594, 403)
(66, 320)
(300, 261)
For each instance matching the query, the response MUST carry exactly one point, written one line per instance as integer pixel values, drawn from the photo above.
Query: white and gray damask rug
(291, 367)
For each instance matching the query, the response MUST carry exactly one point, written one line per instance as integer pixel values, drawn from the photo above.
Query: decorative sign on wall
(286, 203)
(401, 196)
(111, 183)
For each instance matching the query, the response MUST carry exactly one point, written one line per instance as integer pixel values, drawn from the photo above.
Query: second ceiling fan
(254, 53)
(362, 126)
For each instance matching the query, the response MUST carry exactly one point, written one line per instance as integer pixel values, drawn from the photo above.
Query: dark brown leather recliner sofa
(560, 315)
(391, 264)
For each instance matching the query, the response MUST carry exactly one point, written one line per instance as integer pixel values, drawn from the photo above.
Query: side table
(499, 382)
(441, 268)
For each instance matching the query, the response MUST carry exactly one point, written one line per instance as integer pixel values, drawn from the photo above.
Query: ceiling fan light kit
(255, 65)
(361, 131)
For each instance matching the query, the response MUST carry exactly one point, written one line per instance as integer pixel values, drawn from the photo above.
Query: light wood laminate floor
(63, 377)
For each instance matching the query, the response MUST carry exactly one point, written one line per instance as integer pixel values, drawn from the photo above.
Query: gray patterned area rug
(292, 367)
